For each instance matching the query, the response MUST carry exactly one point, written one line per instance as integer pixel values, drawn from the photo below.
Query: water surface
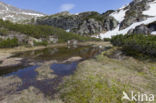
(28, 74)
(48, 54)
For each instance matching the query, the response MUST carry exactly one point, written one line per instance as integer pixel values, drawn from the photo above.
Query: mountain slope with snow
(134, 15)
(8, 12)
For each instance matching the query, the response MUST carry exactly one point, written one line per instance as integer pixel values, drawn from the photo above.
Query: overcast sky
(74, 6)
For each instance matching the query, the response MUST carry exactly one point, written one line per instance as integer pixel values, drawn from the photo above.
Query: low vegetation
(103, 80)
(136, 44)
(41, 31)
(44, 43)
(9, 43)
(92, 15)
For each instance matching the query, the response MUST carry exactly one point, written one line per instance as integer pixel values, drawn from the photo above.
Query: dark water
(28, 74)
(25, 74)
(59, 54)
(65, 68)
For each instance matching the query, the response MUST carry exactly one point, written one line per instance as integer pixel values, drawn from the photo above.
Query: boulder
(72, 43)
(110, 23)
(152, 26)
(53, 39)
(90, 26)
(142, 29)
(31, 40)
(11, 62)
(73, 59)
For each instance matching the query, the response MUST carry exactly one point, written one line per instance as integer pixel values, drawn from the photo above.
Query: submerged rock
(45, 72)
(11, 62)
(72, 42)
(73, 59)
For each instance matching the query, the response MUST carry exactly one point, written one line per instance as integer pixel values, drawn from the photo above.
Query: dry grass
(30, 95)
(45, 72)
(103, 79)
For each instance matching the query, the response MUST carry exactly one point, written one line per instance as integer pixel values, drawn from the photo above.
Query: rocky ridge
(137, 17)
(121, 21)
(86, 23)
(8, 12)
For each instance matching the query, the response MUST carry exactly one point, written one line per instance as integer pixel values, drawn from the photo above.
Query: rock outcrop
(138, 17)
(152, 26)
(86, 23)
(61, 20)
(141, 29)
(90, 26)
(134, 13)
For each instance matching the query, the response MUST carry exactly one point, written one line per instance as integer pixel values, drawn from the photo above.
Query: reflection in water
(7, 70)
(47, 86)
(64, 69)
(59, 54)
(26, 74)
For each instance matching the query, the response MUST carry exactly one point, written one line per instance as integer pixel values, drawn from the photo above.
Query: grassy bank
(102, 80)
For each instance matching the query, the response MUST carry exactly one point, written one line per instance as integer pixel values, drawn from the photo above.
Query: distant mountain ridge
(8, 12)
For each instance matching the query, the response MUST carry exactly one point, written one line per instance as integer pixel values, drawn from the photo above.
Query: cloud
(67, 7)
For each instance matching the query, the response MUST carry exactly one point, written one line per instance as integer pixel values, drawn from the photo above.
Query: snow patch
(76, 13)
(116, 31)
(4, 18)
(68, 30)
(9, 16)
(119, 15)
(33, 14)
(152, 10)
(153, 33)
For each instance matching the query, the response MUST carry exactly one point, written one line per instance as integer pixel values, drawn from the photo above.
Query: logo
(138, 97)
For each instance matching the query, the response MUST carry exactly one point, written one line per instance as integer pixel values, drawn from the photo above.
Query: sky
(73, 6)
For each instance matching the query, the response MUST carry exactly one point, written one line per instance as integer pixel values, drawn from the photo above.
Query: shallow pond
(29, 75)
(48, 54)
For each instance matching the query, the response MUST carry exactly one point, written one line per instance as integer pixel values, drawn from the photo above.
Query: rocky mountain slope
(137, 17)
(86, 23)
(8, 12)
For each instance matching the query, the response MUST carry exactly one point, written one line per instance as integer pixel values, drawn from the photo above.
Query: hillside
(86, 23)
(8, 12)
(27, 34)
(136, 17)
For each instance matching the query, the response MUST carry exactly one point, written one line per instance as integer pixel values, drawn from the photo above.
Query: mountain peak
(8, 12)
